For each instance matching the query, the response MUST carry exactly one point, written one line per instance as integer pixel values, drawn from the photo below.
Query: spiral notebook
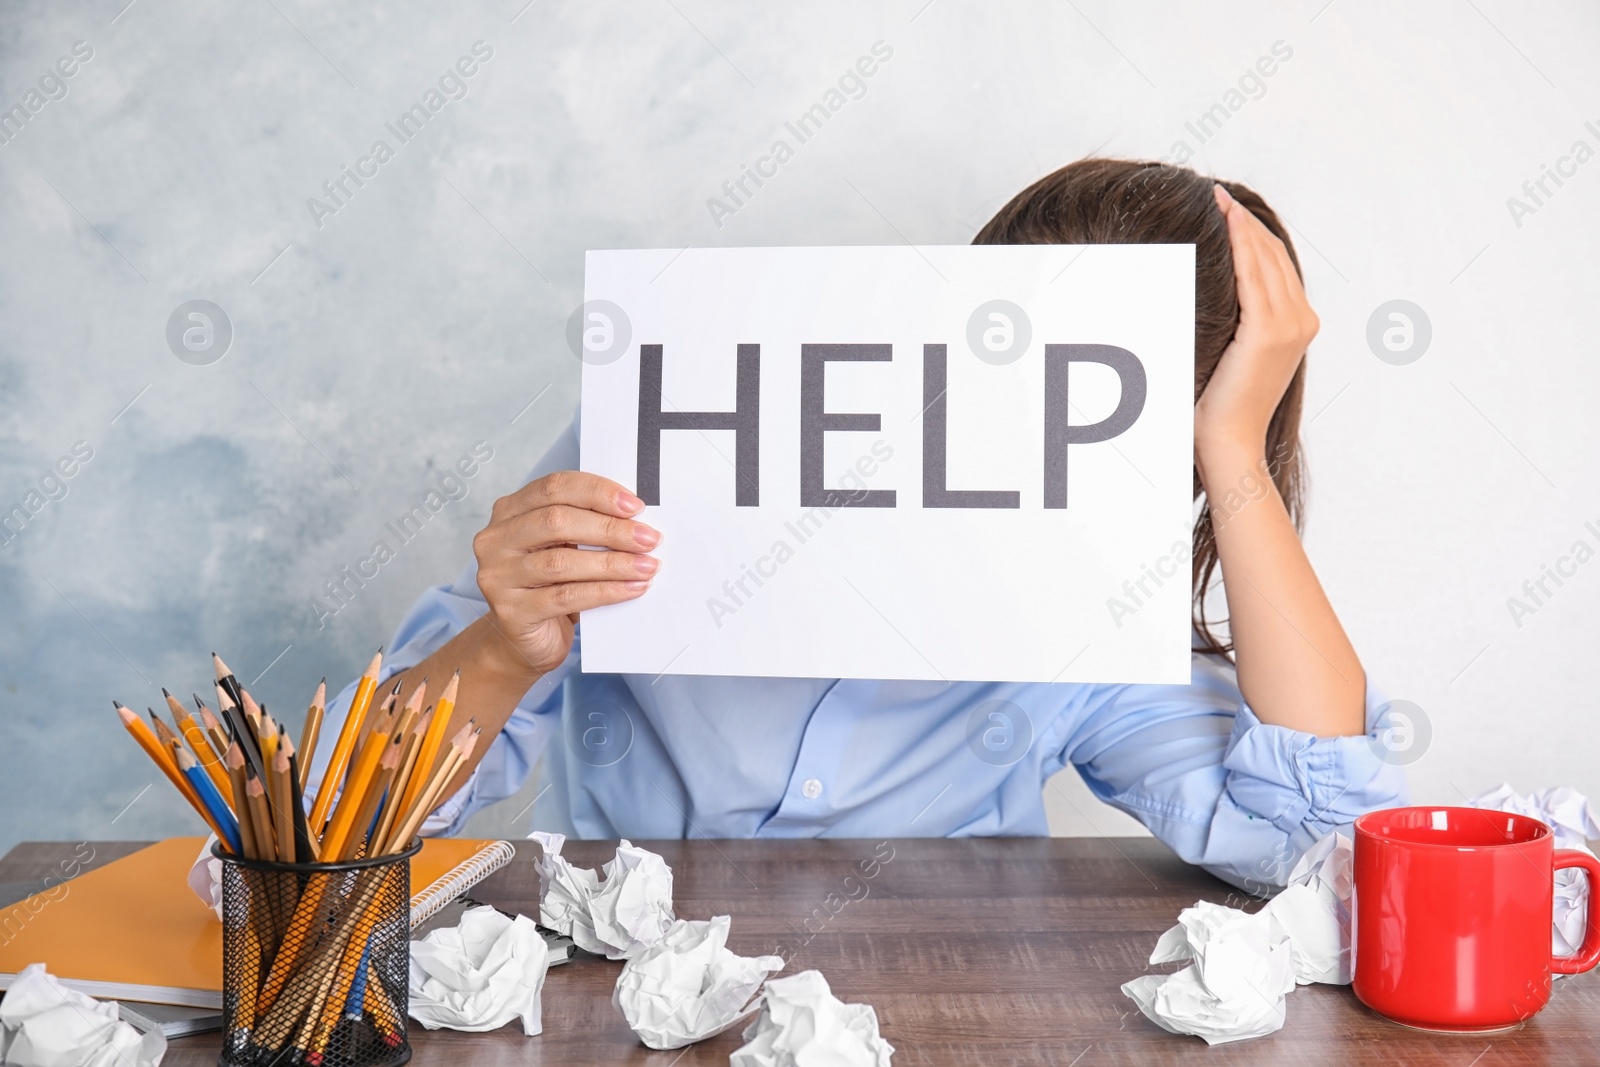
(134, 930)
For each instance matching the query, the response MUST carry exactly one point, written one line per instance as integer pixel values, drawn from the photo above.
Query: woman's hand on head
(536, 579)
(1276, 324)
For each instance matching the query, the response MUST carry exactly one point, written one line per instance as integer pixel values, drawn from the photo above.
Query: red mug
(1453, 915)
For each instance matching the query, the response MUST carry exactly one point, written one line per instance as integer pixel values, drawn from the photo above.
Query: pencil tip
(165, 693)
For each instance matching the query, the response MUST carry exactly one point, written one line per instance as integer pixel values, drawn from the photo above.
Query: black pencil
(302, 835)
(242, 732)
(227, 679)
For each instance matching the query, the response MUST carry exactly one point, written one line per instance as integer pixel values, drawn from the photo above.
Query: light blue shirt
(689, 756)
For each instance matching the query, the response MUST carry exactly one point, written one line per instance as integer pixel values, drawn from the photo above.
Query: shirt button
(811, 789)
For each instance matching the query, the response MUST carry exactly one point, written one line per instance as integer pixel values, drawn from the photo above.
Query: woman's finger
(1247, 269)
(554, 566)
(553, 601)
(578, 489)
(1258, 245)
(563, 524)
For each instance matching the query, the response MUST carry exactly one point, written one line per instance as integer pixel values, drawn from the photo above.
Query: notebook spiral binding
(462, 877)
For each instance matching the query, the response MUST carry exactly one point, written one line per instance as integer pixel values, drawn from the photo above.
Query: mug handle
(1588, 953)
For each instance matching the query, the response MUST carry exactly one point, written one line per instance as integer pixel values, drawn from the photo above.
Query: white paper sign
(964, 463)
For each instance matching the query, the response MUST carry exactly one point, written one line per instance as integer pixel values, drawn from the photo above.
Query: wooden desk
(992, 952)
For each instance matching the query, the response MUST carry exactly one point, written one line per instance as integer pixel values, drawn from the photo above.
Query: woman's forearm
(494, 680)
(1297, 667)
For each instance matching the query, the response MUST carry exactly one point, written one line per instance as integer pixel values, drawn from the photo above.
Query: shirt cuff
(1308, 786)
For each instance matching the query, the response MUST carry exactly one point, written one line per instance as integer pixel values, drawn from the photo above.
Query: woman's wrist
(1227, 454)
(496, 657)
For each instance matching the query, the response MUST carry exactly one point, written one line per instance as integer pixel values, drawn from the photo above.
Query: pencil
(382, 783)
(252, 712)
(268, 731)
(214, 728)
(241, 801)
(163, 731)
(226, 679)
(355, 790)
(208, 757)
(221, 818)
(460, 749)
(256, 795)
(243, 730)
(346, 941)
(394, 803)
(305, 846)
(245, 1005)
(191, 732)
(355, 949)
(153, 748)
(282, 798)
(343, 747)
(432, 740)
(309, 732)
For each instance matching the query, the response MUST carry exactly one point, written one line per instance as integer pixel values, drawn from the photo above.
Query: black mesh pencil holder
(314, 962)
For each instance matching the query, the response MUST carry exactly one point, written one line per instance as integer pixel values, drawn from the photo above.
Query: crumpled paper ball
(205, 877)
(45, 1024)
(1572, 820)
(689, 986)
(480, 974)
(802, 1024)
(1245, 964)
(618, 915)
(1318, 920)
(1243, 968)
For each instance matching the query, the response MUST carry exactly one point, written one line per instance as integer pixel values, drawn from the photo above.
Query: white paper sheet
(689, 986)
(802, 1024)
(480, 974)
(787, 586)
(45, 1024)
(617, 916)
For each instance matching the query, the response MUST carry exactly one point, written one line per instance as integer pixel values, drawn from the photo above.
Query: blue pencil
(358, 987)
(212, 800)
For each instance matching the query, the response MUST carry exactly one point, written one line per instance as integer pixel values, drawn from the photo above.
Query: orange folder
(134, 930)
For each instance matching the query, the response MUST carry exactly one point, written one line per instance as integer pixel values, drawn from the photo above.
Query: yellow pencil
(388, 764)
(355, 790)
(200, 745)
(394, 804)
(427, 753)
(163, 759)
(346, 744)
(308, 734)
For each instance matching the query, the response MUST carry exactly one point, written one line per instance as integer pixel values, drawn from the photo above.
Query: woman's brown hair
(1115, 201)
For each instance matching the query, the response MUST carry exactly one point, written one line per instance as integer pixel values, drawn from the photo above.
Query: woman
(1239, 771)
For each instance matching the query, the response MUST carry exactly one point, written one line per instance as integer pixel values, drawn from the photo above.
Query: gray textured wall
(372, 346)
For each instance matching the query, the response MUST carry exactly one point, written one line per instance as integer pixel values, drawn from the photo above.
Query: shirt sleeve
(439, 614)
(1241, 798)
